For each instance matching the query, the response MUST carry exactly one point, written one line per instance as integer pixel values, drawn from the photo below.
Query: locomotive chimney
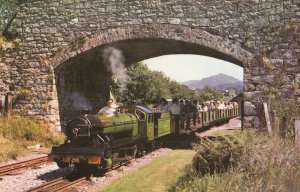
(84, 112)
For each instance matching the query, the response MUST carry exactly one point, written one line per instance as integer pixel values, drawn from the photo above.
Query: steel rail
(4, 170)
(47, 185)
(57, 185)
(69, 185)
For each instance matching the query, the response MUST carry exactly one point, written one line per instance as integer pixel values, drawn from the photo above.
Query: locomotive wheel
(149, 147)
(62, 165)
(158, 145)
(125, 163)
(141, 150)
(138, 154)
(85, 169)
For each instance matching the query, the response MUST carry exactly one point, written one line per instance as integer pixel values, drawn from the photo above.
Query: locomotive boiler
(101, 129)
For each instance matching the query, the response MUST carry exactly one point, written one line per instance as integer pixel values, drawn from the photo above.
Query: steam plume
(79, 101)
(114, 62)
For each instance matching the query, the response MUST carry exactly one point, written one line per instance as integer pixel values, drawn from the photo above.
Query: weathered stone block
(251, 122)
(249, 109)
(175, 21)
(253, 96)
(67, 2)
(297, 78)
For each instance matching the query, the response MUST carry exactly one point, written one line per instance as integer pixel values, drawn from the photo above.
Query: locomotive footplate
(76, 155)
(125, 154)
(77, 151)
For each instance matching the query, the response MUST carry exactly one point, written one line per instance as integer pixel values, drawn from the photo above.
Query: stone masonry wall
(5, 77)
(268, 30)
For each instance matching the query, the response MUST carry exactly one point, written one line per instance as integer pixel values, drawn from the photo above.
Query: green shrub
(266, 164)
(288, 109)
(217, 154)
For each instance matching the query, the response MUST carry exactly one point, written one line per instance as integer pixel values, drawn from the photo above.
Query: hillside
(219, 82)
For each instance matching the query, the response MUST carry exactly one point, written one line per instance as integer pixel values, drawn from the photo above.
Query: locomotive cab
(145, 120)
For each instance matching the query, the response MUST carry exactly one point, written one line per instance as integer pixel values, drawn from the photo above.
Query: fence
(5, 105)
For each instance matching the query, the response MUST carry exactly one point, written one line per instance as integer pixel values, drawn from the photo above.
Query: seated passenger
(175, 111)
(108, 110)
(221, 105)
(198, 106)
(163, 106)
(175, 107)
(181, 104)
(206, 106)
(235, 105)
(230, 106)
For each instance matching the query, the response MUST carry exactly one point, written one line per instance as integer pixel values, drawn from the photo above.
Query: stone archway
(230, 50)
(82, 58)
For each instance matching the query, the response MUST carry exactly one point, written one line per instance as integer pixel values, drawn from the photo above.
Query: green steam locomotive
(100, 141)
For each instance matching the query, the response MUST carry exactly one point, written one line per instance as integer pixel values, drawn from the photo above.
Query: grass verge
(244, 162)
(18, 132)
(155, 176)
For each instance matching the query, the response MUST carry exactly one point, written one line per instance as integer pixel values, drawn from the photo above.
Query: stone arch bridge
(58, 56)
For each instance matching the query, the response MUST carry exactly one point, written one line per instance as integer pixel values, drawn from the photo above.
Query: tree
(181, 91)
(8, 12)
(149, 86)
(145, 85)
(208, 93)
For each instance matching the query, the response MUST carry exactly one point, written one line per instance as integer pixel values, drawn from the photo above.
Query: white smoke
(114, 62)
(79, 101)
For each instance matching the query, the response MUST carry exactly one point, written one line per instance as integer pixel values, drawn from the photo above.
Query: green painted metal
(164, 124)
(143, 129)
(150, 132)
(150, 127)
(139, 123)
(120, 123)
(109, 163)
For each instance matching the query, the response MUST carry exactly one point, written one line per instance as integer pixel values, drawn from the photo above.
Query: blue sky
(192, 67)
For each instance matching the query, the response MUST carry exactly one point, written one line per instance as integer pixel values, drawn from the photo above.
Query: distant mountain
(219, 82)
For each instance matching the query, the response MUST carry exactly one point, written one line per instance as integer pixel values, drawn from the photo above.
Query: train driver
(109, 110)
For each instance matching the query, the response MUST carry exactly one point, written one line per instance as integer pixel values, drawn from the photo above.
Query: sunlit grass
(18, 132)
(156, 176)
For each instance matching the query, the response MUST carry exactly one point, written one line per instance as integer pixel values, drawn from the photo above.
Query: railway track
(59, 185)
(8, 169)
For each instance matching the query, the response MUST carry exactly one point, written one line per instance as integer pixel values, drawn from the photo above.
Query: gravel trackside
(33, 177)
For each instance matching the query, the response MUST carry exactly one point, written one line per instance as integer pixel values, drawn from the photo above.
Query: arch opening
(83, 81)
